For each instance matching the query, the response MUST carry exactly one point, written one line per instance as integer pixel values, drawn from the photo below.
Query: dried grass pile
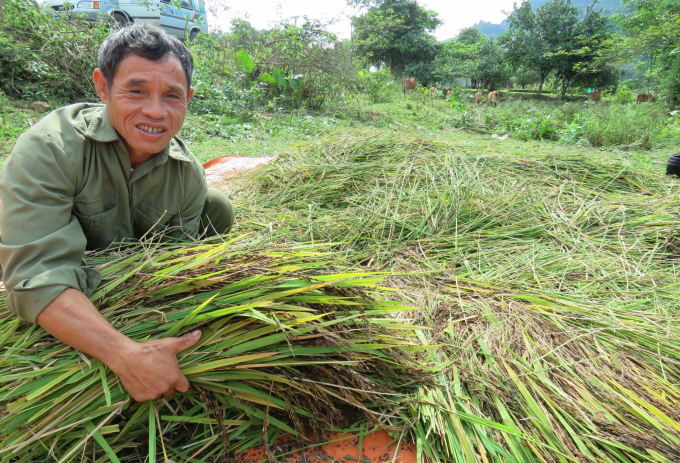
(549, 282)
(285, 347)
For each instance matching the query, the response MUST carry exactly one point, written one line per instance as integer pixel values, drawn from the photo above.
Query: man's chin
(150, 148)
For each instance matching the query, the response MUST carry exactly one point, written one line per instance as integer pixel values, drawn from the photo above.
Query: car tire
(193, 35)
(119, 20)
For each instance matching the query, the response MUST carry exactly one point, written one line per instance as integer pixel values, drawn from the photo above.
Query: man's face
(146, 102)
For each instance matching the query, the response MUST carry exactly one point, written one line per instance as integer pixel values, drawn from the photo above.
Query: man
(89, 175)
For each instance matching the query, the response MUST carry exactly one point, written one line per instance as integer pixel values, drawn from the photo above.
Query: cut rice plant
(532, 377)
(286, 348)
(549, 282)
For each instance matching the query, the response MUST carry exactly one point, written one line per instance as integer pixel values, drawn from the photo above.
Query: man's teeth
(149, 129)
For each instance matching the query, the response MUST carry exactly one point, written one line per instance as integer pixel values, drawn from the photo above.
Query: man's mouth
(148, 129)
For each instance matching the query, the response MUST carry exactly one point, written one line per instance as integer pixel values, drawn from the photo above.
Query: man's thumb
(187, 340)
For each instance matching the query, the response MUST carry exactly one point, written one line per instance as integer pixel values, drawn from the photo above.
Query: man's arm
(148, 370)
(41, 252)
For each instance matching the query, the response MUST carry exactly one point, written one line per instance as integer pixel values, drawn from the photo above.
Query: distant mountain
(607, 7)
(492, 30)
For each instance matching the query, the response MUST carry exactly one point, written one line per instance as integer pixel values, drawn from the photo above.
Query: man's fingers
(183, 384)
(186, 341)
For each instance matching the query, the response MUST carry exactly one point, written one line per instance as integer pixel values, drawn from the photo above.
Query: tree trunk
(564, 88)
(674, 93)
(540, 87)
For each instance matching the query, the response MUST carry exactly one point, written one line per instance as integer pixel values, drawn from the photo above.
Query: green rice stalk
(282, 343)
(548, 281)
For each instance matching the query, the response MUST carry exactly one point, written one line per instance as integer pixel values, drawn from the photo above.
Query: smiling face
(146, 102)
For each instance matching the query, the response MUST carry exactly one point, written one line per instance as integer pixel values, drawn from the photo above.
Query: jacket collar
(101, 130)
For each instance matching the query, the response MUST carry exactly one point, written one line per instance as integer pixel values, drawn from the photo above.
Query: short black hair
(146, 41)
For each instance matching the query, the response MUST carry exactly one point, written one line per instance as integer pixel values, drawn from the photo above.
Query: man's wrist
(117, 357)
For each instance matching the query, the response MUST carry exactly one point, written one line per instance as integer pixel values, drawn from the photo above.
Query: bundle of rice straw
(284, 349)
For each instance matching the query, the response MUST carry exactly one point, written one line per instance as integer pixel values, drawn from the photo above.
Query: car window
(186, 4)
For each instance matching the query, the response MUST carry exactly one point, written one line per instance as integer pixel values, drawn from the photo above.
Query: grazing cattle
(432, 93)
(595, 96)
(479, 98)
(645, 97)
(449, 94)
(494, 98)
(409, 84)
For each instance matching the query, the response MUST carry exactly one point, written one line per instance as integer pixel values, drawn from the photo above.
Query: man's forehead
(136, 69)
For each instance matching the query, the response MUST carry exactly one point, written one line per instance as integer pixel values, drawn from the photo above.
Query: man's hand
(148, 370)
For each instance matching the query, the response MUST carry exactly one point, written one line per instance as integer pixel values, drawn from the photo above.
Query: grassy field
(545, 272)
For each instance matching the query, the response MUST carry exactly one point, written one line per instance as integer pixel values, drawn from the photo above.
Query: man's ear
(191, 93)
(101, 85)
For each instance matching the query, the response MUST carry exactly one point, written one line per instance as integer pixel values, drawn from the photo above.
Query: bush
(289, 66)
(606, 125)
(596, 124)
(377, 86)
(46, 58)
(624, 94)
(4, 101)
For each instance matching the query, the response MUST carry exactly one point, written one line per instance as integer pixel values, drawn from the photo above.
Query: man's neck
(136, 158)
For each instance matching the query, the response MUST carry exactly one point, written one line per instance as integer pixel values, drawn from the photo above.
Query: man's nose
(155, 107)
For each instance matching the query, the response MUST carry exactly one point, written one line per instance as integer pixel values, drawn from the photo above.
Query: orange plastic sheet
(377, 447)
(226, 166)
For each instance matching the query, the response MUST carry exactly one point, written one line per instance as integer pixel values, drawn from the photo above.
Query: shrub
(377, 86)
(291, 66)
(604, 125)
(46, 58)
(624, 94)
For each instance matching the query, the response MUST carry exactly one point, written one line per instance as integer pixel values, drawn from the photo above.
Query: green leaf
(152, 435)
(266, 77)
(244, 60)
(101, 441)
(280, 79)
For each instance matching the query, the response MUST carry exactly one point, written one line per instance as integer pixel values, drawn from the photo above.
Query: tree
(458, 57)
(535, 37)
(590, 34)
(395, 33)
(491, 66)
(649, 35)
(652, 29)
(470, 36)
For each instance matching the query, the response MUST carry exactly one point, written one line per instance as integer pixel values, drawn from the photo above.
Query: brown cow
(595, 96)
(645, 97)
(479, 97)
(494, 98)
(449, 94)
(432, 92)
(409, 84)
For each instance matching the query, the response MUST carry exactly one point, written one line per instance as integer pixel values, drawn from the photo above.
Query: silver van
(182, 18)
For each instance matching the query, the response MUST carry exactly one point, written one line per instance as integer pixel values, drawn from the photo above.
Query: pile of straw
(284, 348)
(549, 283)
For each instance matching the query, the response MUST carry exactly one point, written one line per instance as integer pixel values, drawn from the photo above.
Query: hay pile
(549, 282)
(285, 348)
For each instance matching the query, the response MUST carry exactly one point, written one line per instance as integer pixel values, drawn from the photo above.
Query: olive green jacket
(68, 187)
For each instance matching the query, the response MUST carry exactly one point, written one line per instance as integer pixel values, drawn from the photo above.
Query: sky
(456, 14)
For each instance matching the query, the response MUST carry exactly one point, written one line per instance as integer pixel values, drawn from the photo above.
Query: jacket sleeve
(41, 243)
(186, 224)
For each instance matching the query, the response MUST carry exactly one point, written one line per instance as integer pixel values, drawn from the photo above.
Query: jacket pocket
(149, 219)
(99, 219)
